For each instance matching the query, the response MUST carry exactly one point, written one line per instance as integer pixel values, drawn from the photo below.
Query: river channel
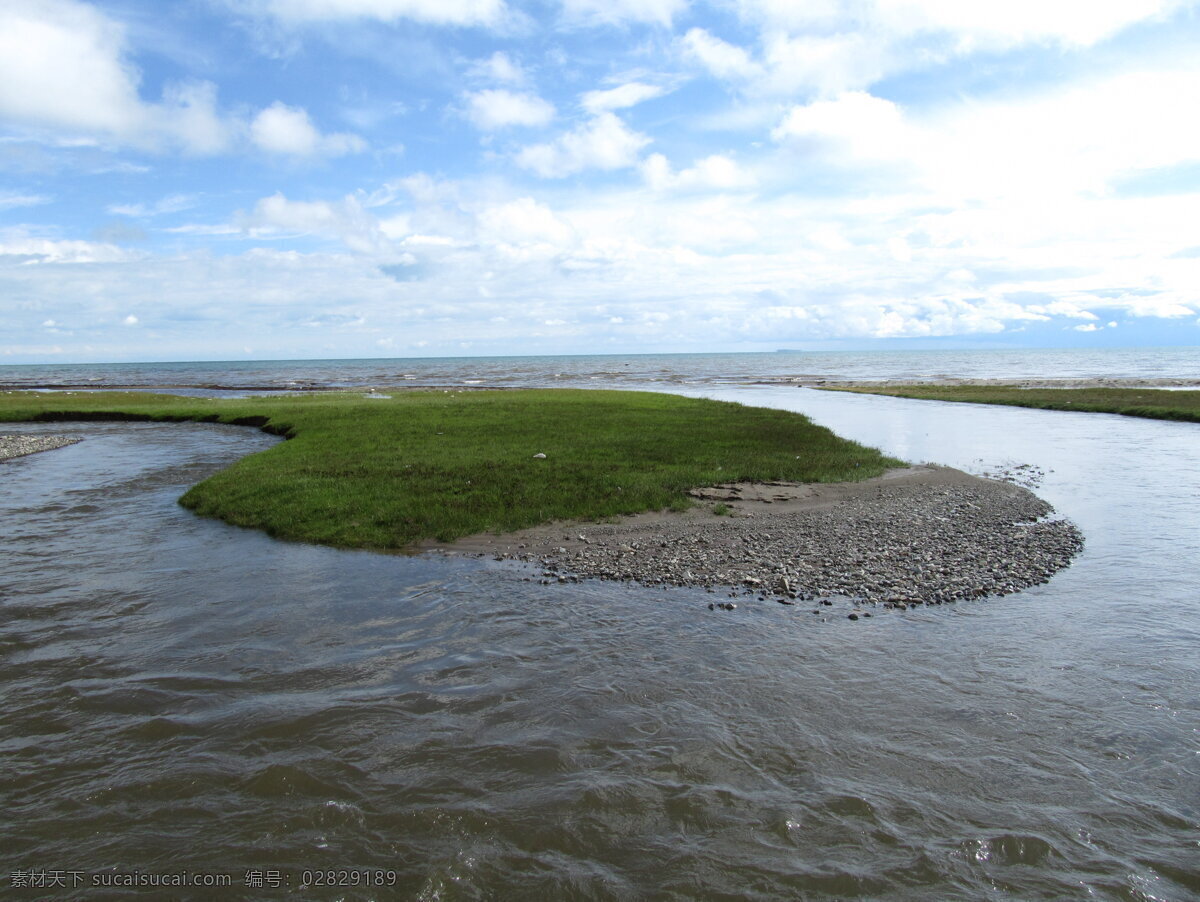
(184, 700)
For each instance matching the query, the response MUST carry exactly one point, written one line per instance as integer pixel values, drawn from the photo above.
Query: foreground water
(200, 703)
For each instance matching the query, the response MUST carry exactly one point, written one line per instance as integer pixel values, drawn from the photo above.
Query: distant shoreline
(1179, 403)
(1059, 368)
(1174, 383)
(1168, 383)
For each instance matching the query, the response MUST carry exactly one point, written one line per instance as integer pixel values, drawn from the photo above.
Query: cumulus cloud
(1020, 21)
(1087, 135)
(717, 172)
(973, 25)
(64, 65)
(525, 229)
(722, 59)
(604, 142)
(189, 118)
(855, 122)
(616, 12)
(833, 46)
(826, 208)
(346, 221)
(496, 108)
(281, 129)
(1162, 306)
(434, 12)
(20, 248)
(607, 267)
(1089, 138)
(499, 67)
(626, 95)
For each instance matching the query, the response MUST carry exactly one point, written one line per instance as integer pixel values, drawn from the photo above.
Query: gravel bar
(20, 445)
(897, 542)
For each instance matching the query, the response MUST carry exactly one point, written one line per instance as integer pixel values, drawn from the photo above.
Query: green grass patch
(1156, 404)
(384, 474)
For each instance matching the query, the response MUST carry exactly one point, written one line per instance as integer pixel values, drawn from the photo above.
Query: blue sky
(223, 179)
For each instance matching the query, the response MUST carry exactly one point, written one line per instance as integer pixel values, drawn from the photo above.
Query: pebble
(900, 547)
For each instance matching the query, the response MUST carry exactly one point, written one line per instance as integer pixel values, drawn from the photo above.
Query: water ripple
(483, 736)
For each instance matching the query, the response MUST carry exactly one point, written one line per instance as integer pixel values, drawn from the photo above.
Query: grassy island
(384, 473)
(1156, 404)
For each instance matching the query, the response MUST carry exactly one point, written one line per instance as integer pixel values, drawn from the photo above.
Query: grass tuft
(384, 474)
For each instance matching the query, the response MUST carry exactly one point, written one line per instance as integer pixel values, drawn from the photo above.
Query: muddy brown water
(186, 701)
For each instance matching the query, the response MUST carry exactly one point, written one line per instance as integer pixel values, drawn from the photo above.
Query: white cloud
(172, 203)
(525, 222)
(435, 12)
(722, 59)
(1156, 306)
(626, 95)
(64, 65)
(828, 47)
(190, 119)
(499, 67)
(787, 65)
(1020, 21)
(1066, 307)
(9, 200)
(17, 246)
(824, 64)
(823, 209)
(717, 172)
(1078, 140)
(61, 63)
(615, 12)
(855, 122)
(497, 108)
(282, 129)
(130, 320)
(789, 15)
(610, 264)
(604, 142)
(1086, 135)
(346, 221)
(972, 25)
(205, 229)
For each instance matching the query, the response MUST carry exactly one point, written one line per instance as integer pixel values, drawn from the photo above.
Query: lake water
(196, 702)
(1175, 366)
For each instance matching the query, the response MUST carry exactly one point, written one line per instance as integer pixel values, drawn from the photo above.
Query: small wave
(1009, 849)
